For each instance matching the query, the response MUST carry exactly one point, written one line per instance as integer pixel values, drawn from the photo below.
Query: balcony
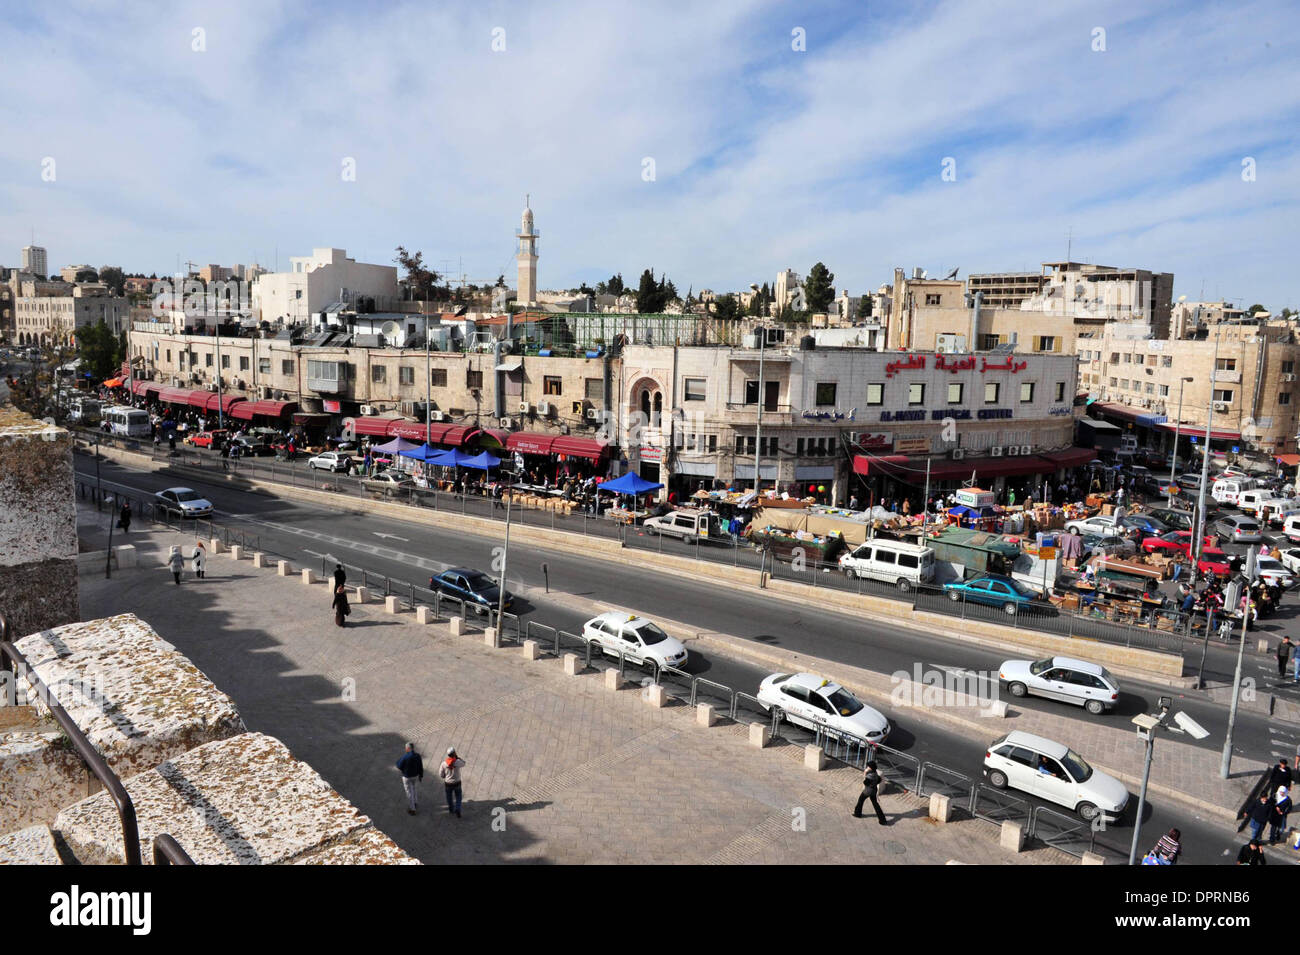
(1228, 377)
(741, 413)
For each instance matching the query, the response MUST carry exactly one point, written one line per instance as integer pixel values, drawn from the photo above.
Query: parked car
(1145, 522)
(639, 639)
(1190, 481)
(1291, 560)
(1174, 518)
(209, 439)
(993, 590)
(476, 588)
(1103, 524)
(1061, 678)
(1238, 530)
(1174, 542)
(1108, 545)
(330, 461)
(1053, 771)
(183, 502)
(1273, 571)
(685, 524)
(812, 702)
(251, 446)
(1217, 562)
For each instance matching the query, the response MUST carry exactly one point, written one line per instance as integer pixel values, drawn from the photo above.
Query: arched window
(645, 404)
(659, 408)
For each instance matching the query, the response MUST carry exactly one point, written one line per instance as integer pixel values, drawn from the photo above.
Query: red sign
(331, 406)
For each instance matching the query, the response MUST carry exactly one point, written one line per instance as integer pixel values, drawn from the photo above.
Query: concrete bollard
(1263, 646)
(215, 546)
(457, 627)
(996, 709)
(814, 758)
(283, 568)
(655, 695)
(1012, 836)
(1091, 858)
(940, 807)
(424, 615)
(259, 559)
(125, 556)
(572, 664)
(392, 604)
(490, 637)
(236, 552)
(705, 714)
(614, 680)
(532, 650)
(362, 595)
(308, 576)
(760, 734)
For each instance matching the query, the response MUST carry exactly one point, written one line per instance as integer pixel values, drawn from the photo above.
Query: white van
(1228, 490)
(1291, 528)
(685, 524)
(893, 562)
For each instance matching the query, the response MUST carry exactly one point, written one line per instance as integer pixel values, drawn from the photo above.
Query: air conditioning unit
(239, 383)
(1222, 405)
(194, 377)
(1288, 377)
(544, 408)
(504, 422)
(525, 407)
(564, 429)
(213, 386)
(958, 453)
(593, 414)
(368, 410)
(1026, 449)
(995, 452)
(437, 416)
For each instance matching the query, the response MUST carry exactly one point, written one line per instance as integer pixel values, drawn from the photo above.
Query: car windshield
(479, 581)
(1174, 537)
(187, 496)
(1077, 766)
(845, 703)
(650, 634)
(1039, 666)
(1020, 588)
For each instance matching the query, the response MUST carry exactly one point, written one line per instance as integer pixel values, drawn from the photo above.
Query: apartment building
(51, 319)
(320, 279)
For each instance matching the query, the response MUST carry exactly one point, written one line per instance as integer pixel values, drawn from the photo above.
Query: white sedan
(1273, 571)
(1291, 560)
(1104, 525)
(813, 702)
(330, 461)
(637, 638)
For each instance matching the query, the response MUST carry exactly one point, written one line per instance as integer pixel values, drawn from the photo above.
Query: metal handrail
(85, 749)
(167, 851)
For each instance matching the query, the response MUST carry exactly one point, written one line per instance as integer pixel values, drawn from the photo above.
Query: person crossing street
(870, 790)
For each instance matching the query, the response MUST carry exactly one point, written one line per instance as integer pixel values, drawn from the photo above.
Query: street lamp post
(1173, 456)
(501, 583)
(1147, 724)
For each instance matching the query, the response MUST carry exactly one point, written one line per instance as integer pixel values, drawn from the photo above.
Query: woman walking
(200, 560)
(175, 563)
(340, 605)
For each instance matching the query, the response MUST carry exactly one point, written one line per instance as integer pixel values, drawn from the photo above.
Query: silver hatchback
(1238, 530)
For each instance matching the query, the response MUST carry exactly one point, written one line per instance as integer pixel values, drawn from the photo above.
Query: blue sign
(1193, 437)
(1236, 449)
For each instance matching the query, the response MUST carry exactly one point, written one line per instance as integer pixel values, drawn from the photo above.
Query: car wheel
(1009, 609)
(1017, 689)
(1094, 707)
(1087, 811)
(997, 779)
(954, 596)
(904, 584)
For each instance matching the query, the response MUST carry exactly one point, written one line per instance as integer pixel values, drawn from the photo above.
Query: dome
(528, 220)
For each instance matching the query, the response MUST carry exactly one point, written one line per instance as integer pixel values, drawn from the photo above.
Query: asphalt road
(410, 552)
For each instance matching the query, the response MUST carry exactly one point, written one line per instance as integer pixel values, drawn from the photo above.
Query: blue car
(993, 590)
(476, 588)
(1149, 524)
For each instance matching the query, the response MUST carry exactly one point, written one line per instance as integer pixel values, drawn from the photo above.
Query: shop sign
(880, 441)
(913, 446)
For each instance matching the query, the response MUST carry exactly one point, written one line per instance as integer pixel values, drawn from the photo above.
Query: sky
(717, 142)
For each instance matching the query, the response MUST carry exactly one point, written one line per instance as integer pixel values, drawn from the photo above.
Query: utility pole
(505, 559)
(758, 422)
(1198, 543)
(1225, 765)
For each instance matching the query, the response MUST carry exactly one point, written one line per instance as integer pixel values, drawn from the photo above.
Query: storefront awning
(579, 447)
(227, 403)
(493, 438)
(143, 387)
(175, 396)
(528, 442)
(312, 419)
(1289, 460)
(275, 409)
(113, 383)
(1191, 430)
(871, 464)
(913, 470)
(199, 399)
(1070, 458)
(377, 427)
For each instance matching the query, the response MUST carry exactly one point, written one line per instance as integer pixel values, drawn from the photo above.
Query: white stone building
(322, 278)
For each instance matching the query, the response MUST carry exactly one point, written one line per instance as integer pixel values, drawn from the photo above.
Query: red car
(1213, 560)
(209, 439)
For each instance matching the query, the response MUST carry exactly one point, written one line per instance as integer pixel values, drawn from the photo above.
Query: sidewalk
(558, 768)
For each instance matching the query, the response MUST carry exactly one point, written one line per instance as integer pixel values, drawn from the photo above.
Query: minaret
(527, 258)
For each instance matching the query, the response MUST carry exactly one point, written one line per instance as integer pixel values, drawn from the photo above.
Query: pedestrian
(1169, 847)
(1283, 655)
(1011, 497)
(200, 560)
(1258, 815)
(412, 770)
(1277, 818)
(176, 563)
(870, 789)
(124, 517)
(449, 773)
(853, 503)
(225, 456)
(171, 441)
(1178, 568)
(340, 576)
(1252, 853)
(340, 605)
(1281, 775)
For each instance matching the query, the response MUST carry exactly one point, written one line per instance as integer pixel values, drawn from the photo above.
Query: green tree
(615, 284)
(421, 283)
(726, 308)
(819, 290)
(1288, 312)
(100, 351)
(585, 289)
(1256, 308)
(647, 294)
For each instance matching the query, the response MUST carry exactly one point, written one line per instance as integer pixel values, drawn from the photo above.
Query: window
(225, 361)
(1113, 382)
(767, 446)
(884, 556)
(875, 394)
(169, 356)
(989, 342)
(286, 366)
(264, 366)
(1222, 394)
(916, 394)
(1226, 364)
(751, 391)
(991, 391)
(908, 560)
(438, 377)
(1128, 359)
(1124, 383)
(1114, 358)
(378, 374)
(955, 390)
(208, 360)
(406, 375)
(552, 385)
(1288, 367)
(1026, 391)
(1060, 391)
(1046, 343)
(1164, 391)
(825, 393)
(932, 298)
(1284, 398)
(1151, 388)
(473, 378)
(1166, 361)
(693, 389)
(594, 389)
(243, 363)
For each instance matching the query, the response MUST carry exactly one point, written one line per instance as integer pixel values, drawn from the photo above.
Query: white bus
(83, 409)
(127, 422)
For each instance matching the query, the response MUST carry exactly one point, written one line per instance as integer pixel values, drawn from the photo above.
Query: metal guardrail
(11, 656)
(167, 851)
(997, 806)
(1069, 834)
(959, 787)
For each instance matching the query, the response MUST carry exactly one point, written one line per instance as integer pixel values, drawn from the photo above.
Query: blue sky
(765, 157)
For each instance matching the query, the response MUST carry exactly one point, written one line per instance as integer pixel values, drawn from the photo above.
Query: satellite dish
(390, 330)
(953, 274)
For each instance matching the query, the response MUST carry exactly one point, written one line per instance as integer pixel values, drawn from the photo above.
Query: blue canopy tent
(455, 458)
(629, 483)
(962, 512)
(482, 462)
(422, 453)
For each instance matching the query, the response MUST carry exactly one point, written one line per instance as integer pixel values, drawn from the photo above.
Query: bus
(83, 409)
(127, 422)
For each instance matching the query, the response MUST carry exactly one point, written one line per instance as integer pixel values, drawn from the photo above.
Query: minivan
(893, 562)
(685, 524)
(1228, 490)
(1291, 528)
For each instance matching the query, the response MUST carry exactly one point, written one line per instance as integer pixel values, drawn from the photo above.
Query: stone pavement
(558, 768)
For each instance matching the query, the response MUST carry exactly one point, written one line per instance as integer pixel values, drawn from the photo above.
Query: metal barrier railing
(167, 851)
(1069, 834)
(546, 637)
(934, 778)
(718, 689)
(12, 657)
(996, 806)
(752, 704)
(678, 683)
(898, 768)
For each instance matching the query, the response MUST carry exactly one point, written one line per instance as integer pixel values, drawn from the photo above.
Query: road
(410, 552)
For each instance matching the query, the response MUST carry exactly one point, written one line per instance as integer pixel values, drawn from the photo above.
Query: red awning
(912, 470)
(227, 402)
(175, 396)
(415, 430)
(494, 437)
(274, 409)
(877, 464)
(199, 398)
(1199, 433)
(141, 387)
(580, 447)
(1118, 411)
(243, 411)
(457, 434)
(375, 427)
(1070, 458)
(1290, 460)
(311, 419)
(528, 442)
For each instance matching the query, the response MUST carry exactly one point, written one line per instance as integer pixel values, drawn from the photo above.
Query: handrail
(167, 851)
(85, 749)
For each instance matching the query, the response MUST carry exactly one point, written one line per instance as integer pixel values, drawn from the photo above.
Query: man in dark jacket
(412, 770)
(1258, 815)
(1252, 853)
(340, 576)
(1281, 776)
(1283, 655)
(870, 787)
